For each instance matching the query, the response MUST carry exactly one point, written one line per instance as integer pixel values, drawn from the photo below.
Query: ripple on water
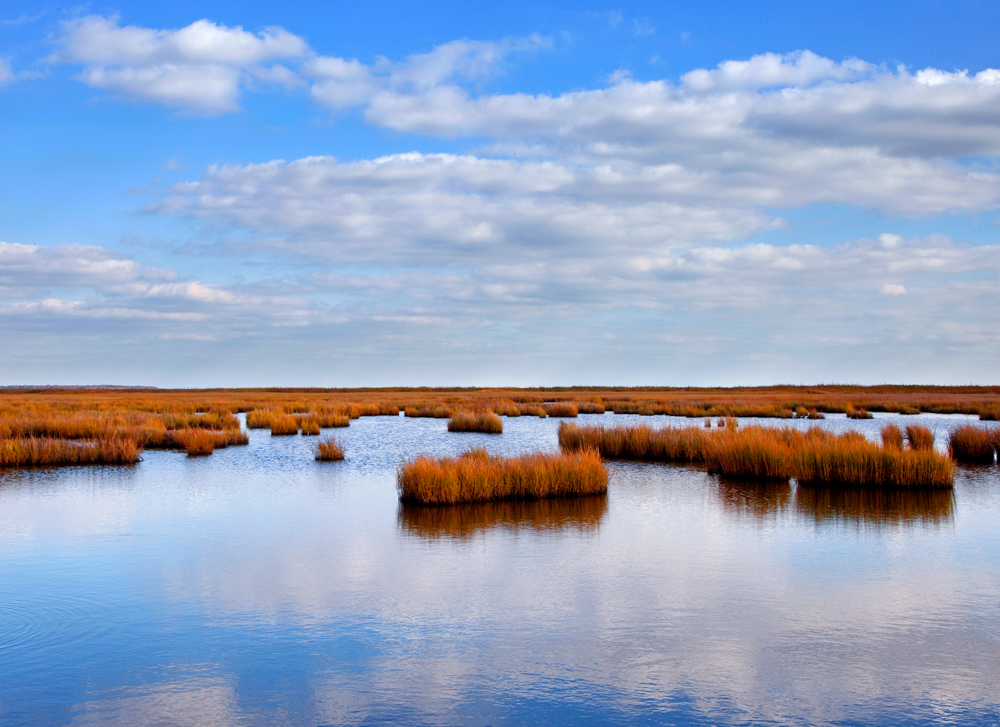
(38, 622)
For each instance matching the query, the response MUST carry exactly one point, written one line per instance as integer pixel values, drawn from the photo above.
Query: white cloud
(199, 67)
(341, 83)
(6, 74)
(771, 69)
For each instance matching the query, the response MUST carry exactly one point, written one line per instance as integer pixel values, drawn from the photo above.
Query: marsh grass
(478, 476)
(45, 451)
(486, 422)
(561, 409)
(972, 445)
(309, 425)
(767, 453)
(919, 437)
(329, 450)
(283, 425)
(892, 437)
(466, 520)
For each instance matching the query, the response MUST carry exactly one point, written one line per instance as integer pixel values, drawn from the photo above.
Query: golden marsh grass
(44, 451)
(486, 422)
(479, 476)
(971, 445)
(814, 456)
(329, 450)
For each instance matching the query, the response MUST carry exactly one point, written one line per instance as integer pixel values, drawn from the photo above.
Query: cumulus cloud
(338, 82)
(199, 67)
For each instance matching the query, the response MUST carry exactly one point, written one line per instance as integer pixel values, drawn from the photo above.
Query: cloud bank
(617, 226)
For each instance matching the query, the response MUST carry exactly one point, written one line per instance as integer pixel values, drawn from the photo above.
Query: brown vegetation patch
(479, 476)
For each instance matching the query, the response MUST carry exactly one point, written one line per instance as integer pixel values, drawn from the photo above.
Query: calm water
(258, 587)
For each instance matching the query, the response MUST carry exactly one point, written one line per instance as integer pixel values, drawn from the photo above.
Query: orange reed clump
(919, 437)
(892, 437)
(972, 445)
(561, 409)
(486, 422)
(479, 476)
(813, 456)
(29, 451)
(329, 450)
(284, 425)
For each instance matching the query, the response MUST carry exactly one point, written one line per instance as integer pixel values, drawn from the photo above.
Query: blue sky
(344, 194)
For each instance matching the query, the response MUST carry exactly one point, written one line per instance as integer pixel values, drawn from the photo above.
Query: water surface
(258, 587)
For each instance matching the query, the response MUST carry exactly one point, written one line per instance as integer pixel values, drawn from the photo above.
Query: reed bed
(478, 476)
(814, 456)
(309, 426)
(972, 445)
(486, 422)
(182, 438)
(466, 520)
(561, 409)
(919, 437)
(892, 437)
(284, 425)
(329, 450)
(45, 451)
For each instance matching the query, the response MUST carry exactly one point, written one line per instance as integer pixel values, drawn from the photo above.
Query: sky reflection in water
(259, 587)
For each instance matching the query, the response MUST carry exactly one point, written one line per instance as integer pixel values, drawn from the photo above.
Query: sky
(533, 194)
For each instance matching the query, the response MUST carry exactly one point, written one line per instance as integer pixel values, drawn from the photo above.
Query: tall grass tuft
(31, 451)
(971, 445)
(814, 456)
(284, 425)
(681, 444)
(562, 409)
(892, 437)
(329, 450)
(478, 476)
(487, 422)
(919, 437)
(309, 425)
(198, 442)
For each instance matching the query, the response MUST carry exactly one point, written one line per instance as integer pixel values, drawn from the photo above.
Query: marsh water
(259, 587)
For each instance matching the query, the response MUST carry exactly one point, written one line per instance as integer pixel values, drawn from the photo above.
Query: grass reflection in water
(876, 507)
(861, 506)
(558, 514)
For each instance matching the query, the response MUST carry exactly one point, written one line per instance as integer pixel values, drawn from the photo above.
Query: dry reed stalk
(972, 445)
(814, 456)
(754, 452)
(309, 426)
(561, 409)
(919, 437)
(682, 444)
(284, 425)
(863, 464)
(34, 451)
(260, 418)
(329, 450)
(486, 422)
(589, 407)
(479, 476)
(892, 437)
